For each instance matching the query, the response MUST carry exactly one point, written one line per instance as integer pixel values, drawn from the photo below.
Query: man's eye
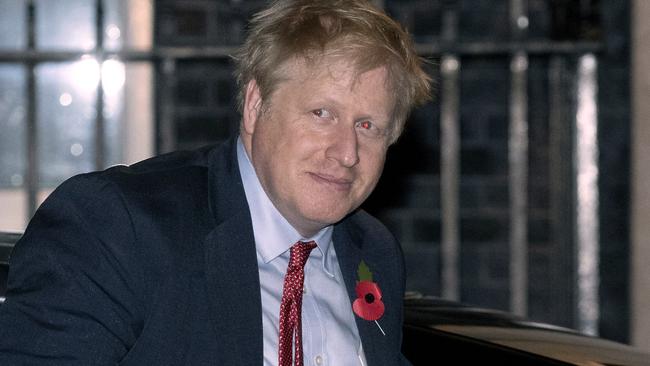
(369, 129)
(322, 113)
(366, 125)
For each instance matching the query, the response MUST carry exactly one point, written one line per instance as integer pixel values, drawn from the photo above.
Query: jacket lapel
(350, 251)
(230, 263)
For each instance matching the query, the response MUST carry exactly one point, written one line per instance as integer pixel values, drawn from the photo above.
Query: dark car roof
(495, 336)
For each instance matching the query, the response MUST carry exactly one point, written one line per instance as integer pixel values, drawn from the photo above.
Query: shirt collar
(274, 235)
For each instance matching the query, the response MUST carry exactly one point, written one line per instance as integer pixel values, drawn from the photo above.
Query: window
(70, 103)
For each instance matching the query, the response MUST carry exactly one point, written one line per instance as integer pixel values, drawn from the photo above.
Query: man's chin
(328, 216)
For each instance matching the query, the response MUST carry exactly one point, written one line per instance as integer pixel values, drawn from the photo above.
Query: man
(191, 258)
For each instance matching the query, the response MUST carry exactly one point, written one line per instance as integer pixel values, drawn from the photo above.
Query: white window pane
(128, 24)
(114, 76)
(66, 113)
(12, 126)
(13, 215)
(65, 24)
(12, 24)
(13, 196)
(138, 131)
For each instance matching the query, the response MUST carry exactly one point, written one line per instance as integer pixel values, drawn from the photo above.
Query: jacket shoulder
(369, 228)
(178, 164)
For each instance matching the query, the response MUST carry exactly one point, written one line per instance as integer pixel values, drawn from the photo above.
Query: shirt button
(318, 360)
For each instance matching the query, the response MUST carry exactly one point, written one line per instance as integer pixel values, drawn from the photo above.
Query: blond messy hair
(353, 30)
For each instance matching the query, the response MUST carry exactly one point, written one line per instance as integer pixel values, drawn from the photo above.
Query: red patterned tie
(291, 306)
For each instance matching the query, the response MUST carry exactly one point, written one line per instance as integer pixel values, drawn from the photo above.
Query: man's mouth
(338, 183)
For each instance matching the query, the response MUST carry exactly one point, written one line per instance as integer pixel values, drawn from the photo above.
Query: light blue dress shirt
(330, 335)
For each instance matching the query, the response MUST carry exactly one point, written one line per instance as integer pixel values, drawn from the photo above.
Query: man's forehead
(336, 69)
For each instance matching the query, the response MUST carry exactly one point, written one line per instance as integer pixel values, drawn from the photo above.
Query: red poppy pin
(368, 304)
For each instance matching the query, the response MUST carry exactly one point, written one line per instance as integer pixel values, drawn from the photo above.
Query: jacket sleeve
(74, 285)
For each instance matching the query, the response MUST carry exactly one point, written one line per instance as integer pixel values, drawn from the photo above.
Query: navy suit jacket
(155, 264)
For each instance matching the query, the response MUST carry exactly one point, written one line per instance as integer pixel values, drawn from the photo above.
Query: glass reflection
(587, 195)
(66, 114)
(112, 76)
(68, 24)
(60, 125)
(86, 74)
(113, 79)
(13, 202)
(128, 24)
(12, 125)
(12, 24)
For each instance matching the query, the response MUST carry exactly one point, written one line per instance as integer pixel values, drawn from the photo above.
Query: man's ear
(252, 106)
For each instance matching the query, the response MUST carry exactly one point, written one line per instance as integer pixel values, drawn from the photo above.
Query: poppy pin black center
(370, 298)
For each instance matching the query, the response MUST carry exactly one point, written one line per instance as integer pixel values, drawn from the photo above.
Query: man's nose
(344, 147)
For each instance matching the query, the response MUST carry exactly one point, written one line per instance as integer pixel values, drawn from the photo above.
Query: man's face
(319, 144)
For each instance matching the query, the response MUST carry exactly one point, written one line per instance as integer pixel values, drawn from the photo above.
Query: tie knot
(300, 252)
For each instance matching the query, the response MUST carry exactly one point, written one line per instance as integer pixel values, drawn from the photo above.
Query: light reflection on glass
(449, 179)
(12, 124)
(129, 24)
(113, 32)
(86, 74)
(76, 149)
(518, 182)
(13, 196)
(65, 99)
(112, 76)
(133, 124)
(113, 79)
(587, 195)
(60, 126)
(66, 116)
(522, 22)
